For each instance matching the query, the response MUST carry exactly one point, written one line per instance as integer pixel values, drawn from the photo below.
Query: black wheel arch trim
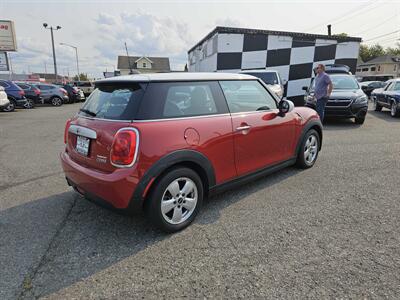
(166, 162)
(310, 124)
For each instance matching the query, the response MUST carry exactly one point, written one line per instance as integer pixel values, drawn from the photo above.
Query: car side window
(396, 86)
(181, 99)
(247, 96)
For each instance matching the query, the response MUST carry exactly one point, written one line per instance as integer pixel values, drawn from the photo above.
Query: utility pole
(52, 44)
(129, 61)
(329, 30)
(76, 55)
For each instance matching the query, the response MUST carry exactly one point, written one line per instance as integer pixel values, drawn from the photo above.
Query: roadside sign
(4, 62)
(8, 42)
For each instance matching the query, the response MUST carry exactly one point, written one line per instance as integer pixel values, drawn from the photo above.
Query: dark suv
(15, 94)
(163, 142)
(347, 99)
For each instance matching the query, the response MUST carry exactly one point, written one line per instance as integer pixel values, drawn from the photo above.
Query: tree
(393, 51)
(370, 52)
(83, 77)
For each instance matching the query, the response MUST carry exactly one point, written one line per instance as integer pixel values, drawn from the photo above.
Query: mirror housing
(2, 89)
(285, 106)
(284, 82)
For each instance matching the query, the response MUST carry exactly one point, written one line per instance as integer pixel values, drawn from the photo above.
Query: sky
(170, 28)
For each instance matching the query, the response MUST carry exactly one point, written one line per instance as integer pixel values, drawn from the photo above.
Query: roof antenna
(129, 61)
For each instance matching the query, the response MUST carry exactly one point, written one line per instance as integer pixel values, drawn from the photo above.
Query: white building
(293, 54)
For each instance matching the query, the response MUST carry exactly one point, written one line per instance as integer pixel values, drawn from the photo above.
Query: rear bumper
(114, 188)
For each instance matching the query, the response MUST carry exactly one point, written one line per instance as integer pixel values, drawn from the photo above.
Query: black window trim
(6, 83)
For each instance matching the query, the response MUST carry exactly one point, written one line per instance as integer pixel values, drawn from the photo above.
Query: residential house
(380, 68)
(142, 64)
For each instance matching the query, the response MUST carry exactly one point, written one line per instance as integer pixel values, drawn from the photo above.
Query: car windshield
(114, 101)
(267, 77)
(341, 82)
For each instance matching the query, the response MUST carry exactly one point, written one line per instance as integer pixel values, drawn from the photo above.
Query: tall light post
(52, 44)
(76, 54)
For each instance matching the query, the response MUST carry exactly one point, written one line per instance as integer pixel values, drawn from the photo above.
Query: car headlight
(362, 99)
(310, 98)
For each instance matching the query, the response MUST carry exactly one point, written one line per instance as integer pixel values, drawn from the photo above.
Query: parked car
(369, 86)
(388, 97)
(186, 137)
(271, 78)
(53, 94)
(74, 94)
(4, 102)
(86, 86)
(32, 93)
(15, 94)
(347, 99)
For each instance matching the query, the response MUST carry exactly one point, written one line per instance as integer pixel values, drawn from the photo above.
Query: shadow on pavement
(81, 238)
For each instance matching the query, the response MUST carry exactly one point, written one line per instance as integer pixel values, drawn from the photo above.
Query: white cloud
(229, 22)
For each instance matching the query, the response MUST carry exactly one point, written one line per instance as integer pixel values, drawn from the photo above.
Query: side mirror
(285, 106)
(304, 88)
(284, 82)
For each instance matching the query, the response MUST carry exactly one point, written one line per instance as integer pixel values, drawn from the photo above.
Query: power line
(343, 16)
(383, 35)
(378, 25)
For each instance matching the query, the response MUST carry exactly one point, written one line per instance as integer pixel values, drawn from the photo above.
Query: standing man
(323, 89)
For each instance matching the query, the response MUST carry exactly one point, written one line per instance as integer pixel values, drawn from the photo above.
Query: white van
(4, 102)
(271, 78)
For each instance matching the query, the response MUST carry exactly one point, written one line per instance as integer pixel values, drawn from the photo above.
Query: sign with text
(3, 62)
(8, 42)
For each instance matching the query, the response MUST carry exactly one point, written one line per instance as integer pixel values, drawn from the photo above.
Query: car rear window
(165, 100)
(114, 101)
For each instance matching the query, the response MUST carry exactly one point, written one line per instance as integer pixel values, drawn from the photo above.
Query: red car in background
(163, 142)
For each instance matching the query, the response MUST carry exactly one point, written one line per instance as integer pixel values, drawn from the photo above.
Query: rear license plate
(82, 145)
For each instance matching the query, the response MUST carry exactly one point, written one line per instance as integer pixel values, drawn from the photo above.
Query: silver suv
(53, 94)
(271, 78)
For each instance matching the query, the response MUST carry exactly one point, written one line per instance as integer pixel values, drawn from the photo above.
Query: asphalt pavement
(332, 231)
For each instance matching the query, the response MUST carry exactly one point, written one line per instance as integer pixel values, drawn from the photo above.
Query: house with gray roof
(143, 64)
(380, 68)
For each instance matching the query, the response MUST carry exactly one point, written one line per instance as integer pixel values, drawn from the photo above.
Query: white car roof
(182, 76)
(259, 71)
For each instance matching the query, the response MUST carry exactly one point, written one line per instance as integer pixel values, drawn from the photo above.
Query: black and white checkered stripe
(293, 57)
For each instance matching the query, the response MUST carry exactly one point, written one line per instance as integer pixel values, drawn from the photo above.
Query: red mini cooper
(163, 142)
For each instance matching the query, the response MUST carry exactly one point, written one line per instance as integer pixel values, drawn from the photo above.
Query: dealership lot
(329, 231)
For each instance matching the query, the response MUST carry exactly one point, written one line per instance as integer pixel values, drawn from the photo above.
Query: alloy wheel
(310, 149)
(10, 107)
(56, 101)
(29, 104)
(179, 200)
(393, 109)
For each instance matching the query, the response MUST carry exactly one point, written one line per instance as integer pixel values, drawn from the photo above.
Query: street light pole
(77, 61)
(52, 44)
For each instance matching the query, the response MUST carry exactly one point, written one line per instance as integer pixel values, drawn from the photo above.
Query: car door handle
(244, 127)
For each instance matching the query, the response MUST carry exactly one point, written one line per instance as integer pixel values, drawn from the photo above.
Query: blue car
(15, 94)
(388, 97)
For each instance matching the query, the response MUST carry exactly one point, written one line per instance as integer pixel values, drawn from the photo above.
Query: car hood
(349, 94)
(380, 90)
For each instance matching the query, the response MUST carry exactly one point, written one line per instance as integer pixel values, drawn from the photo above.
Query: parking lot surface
(332, 231)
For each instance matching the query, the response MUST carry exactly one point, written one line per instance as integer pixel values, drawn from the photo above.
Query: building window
(358, 70)
(365, 69)
(379, 68)
(373, 68)
(144, 65)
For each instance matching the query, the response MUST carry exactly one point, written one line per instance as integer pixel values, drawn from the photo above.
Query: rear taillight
(37, 92)
(63, 91)
(66, 131)
(21, 93)
(124, 147)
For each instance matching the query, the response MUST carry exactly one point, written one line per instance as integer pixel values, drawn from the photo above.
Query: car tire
(11, 107)
(29, 104)
(394, 109)
(376, 105)
(309, 149)
(359, 120)
(56, 101)
(167, 205)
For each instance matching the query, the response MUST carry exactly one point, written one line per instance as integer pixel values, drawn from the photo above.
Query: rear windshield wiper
(86, 111)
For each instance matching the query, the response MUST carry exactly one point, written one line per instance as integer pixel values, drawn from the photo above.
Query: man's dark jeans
(320, 107)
